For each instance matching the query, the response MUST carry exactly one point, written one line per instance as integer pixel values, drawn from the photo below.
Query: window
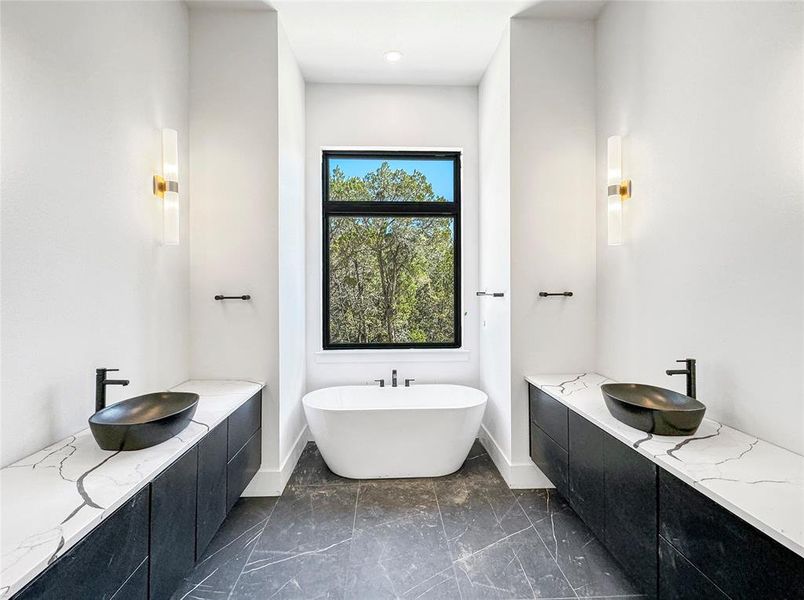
(392, 249)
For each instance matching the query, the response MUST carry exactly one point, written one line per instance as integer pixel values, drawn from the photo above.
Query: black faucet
(393, 378)
(689, 372)
(100, 386)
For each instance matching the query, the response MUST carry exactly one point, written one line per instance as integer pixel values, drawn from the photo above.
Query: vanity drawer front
(173, 505)
(243, 423)
(631, 522)
(551, 458)
(136, 586)
(242, 468)
(550, 415)
(100, 564)
(587, 472)
(211, 503)
(738, 558)
(680, 580)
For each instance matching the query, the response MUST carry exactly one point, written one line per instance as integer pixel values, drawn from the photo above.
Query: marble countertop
(53, 498)
(756, 480)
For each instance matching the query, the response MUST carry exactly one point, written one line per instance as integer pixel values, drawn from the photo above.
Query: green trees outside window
(391, 250)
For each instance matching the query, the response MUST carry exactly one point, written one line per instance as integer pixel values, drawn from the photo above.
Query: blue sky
(437, 172)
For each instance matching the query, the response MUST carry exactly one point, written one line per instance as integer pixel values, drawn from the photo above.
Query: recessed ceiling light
(393, 56)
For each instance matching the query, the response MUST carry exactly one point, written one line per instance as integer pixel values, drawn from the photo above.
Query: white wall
(86, 282)
(494, 118)
(537, 207)
(391, 116)
(709, 97)
(552, 206)
(292, 359)
(235, 213)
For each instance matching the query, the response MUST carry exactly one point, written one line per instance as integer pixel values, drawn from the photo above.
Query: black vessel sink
(653, 409)
(143, 421)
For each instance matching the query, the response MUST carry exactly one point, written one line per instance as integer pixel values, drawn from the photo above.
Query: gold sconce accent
(166, 187)
(617, 190)
(161, 186)
(623, 189)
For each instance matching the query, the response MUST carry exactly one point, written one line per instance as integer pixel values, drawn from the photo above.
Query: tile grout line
(256, 541)
(555, 558)
(446, 539)
(351, 540)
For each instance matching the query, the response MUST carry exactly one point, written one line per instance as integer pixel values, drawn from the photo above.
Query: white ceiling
(445, 42)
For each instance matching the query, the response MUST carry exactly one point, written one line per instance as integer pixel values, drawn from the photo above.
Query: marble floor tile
(319, 573)
(494, 573)
(476, 509)
(307, 519)
(461, 537)
(217, 572)
(312, 470)
(587, 565)
(399, 549)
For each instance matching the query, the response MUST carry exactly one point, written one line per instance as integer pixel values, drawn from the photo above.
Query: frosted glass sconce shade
(167, 187)
(617, 190)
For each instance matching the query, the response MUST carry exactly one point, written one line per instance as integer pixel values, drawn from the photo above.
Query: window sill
(392, 356)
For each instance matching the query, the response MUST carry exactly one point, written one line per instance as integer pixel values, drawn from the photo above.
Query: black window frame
(398, 209)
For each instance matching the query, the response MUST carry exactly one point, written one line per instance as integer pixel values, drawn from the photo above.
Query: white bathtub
(369, 432)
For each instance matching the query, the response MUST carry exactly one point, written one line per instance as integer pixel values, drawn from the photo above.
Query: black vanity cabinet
(613, 489)
(609, 485)
(587, 473)
(242, 468)
(703, 542)
(244, 449)
(211, 504)
(631, 512)
(674, 542)
(147, 546)
(173, 517)
(549, 438)
(680, 580)
(108, 563)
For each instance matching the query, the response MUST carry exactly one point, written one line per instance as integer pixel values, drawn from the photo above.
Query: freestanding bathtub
(369, 432)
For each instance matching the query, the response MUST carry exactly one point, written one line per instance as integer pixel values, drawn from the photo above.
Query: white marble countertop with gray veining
(53, 498)
(754, 479)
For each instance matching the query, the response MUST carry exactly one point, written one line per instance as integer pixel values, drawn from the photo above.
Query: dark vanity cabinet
(549, 438)
(108, 563)
(173, 501)
(148, 545)
(587, 473)
(613, 489)
(631, 519)
(703, 546)
(242, 467)
(674, 542)
(244, 449)
(211, 506)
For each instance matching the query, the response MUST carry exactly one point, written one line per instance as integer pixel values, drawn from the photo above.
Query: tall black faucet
(393, 378)
(689, 372)
(100, 386)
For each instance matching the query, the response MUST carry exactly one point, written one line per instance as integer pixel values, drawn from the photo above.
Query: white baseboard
(272, 482)
(518, 476)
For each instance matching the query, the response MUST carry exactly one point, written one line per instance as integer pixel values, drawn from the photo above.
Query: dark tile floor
(463, 536)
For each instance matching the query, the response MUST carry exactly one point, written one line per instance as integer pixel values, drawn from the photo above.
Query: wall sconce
(166, 187)
(618, 189)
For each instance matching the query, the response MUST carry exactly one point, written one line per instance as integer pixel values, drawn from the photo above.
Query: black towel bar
(243, 297)
(546, 294)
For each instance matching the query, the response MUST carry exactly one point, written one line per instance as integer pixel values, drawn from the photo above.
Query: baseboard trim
(272, 482)
(518, 476)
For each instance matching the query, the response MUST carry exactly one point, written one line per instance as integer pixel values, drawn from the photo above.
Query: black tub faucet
(689, 372)
(393, 378)
(100, 386)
